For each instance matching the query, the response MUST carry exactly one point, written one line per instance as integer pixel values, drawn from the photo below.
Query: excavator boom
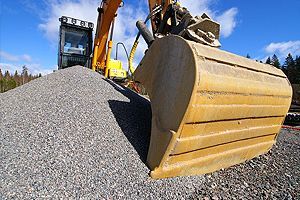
(107, 12)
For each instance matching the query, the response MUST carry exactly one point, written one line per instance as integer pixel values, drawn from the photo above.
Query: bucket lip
(212, 53)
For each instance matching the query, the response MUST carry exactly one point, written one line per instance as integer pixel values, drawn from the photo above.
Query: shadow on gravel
(134, 118)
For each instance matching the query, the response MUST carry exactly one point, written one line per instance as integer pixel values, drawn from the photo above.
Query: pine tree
(17, 78)
(289, 65)
(2, 85)
(5, 80)
(9, 81)
(289, 61)
(11, 84)
(24, 75)
(16, 73)
(297, 69)
(268, 61)
(275, 62)
(7, 75)
(297, 62)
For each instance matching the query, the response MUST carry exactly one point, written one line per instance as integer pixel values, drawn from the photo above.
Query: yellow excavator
(211, 109)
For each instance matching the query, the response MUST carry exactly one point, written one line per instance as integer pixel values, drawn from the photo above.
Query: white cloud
(8, 57)
(125, 29)
(227, 19)
(9, 67)
(26, 58)
(15, 62)
(282, 49)
(36, 68)
(14, 58)
(33, 68)
(82, 9)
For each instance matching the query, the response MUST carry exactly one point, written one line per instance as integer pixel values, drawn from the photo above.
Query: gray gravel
(74, 135)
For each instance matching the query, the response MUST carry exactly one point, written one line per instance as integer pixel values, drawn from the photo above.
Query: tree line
(291, 67)
(10, 81)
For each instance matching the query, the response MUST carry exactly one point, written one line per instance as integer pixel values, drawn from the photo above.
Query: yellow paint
(108, 65)
(131, 56)
(115, 70)
(210, 109)
(104, 22)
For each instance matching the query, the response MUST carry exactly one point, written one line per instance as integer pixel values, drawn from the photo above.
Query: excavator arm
(210, 109)
(107, 12)
(153, 4)
(160, 12)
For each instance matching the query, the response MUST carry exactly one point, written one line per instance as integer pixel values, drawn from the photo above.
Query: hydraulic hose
(131, 56)
(117, 50)
(136, 42)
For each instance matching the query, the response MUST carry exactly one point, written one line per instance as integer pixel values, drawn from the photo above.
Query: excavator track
(210, 109)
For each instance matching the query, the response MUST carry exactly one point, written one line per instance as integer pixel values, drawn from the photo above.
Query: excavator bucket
(210, 109)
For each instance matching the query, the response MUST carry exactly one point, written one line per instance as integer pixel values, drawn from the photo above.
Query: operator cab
(76, 42)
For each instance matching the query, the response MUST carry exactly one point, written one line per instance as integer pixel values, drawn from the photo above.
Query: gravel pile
(74, 135)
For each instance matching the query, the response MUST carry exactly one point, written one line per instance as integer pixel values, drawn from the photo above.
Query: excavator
(211, 109)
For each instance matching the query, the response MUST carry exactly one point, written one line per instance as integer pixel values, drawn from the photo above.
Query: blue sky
(28, 28)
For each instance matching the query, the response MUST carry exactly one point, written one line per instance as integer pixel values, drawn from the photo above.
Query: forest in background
(290, 66)
(10, 81)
